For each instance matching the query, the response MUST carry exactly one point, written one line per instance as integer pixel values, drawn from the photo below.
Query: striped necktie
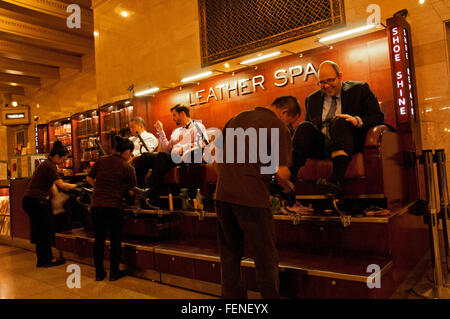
(330, 115)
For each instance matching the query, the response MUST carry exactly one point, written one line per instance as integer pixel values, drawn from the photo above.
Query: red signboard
(403, 78)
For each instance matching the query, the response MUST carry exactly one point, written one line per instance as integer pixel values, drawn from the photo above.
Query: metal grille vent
(232, 28)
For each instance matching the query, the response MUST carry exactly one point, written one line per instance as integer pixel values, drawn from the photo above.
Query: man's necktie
(330, 115)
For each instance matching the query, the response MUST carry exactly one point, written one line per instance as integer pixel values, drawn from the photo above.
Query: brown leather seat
(323, 168)
(173, 176)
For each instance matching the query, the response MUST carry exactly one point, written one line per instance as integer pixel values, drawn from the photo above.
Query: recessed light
(227, 65)
(124, 14)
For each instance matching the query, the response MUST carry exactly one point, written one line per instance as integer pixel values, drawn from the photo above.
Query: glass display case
(41, 139)
(5, 215)
(62, 130)
(86, 129)
(113, 118)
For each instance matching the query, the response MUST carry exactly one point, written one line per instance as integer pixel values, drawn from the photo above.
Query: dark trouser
(107, 220)
(42, 231)
(160, 163)
(310, 142)
(255, 224)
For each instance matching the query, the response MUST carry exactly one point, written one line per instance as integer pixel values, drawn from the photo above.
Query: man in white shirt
(137, 127)
(190, 137)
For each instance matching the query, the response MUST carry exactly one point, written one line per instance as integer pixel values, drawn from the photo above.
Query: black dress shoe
(100, 276)
(55, 263)
(113, 276)
(41, 263)
(330, 189)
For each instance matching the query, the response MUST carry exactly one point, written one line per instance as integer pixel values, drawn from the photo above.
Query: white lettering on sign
(211, 94)
(293, 73)
(281, 75)
(404, 87)
(13, 116)
(245, 86)
(310, 70)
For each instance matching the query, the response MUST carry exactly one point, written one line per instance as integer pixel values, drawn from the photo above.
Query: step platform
(318, 257)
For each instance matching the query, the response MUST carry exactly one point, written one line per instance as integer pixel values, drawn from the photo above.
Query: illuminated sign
(402, 72)
(14, 116)
(247, 85)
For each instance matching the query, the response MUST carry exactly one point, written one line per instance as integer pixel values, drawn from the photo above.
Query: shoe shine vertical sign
(405, 96)
(403, 78)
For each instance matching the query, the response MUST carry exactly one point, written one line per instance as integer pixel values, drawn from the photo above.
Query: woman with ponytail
(111, 177)
(35, 204)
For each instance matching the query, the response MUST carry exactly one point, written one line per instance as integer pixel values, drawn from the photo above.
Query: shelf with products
(5, 212)
(114, 117)
(86, 129)
(61, 130)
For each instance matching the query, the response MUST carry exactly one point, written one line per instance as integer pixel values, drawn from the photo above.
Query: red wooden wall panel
(364, 58)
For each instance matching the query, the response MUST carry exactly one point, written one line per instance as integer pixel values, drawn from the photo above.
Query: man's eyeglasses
(327, 81)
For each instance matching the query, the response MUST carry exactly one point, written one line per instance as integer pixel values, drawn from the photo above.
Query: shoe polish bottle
(199, 199)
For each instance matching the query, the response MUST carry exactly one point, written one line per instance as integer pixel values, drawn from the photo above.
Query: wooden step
(195, 264)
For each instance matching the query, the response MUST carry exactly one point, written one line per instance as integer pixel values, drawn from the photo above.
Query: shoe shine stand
(434, 213)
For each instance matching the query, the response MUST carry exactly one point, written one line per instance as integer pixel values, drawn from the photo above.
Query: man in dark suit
(337, 119)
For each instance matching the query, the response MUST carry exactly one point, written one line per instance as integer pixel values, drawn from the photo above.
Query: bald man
(338, 116)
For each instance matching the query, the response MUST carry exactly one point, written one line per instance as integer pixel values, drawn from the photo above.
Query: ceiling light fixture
(96, 33)
(348, 32)
(124, 14)
(14, 103)
(196, 77)
(259, 58)
(146, 92)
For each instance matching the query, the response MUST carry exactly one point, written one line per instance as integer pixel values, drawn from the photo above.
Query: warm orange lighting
(227, 65)
(96, 33)
(14, 103)
(421, 1)
(124, 14)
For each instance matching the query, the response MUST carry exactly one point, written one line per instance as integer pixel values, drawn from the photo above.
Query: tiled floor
(19, 278)
(419, 282)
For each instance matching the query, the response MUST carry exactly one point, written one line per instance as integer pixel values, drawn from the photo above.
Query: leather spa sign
(243, 85)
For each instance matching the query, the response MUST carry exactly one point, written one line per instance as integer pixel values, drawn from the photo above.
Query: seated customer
(137, 127)
(337, 119)
(189, 135)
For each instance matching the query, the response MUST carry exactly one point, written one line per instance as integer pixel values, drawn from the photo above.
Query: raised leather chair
(377, 172)
(374, 173)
